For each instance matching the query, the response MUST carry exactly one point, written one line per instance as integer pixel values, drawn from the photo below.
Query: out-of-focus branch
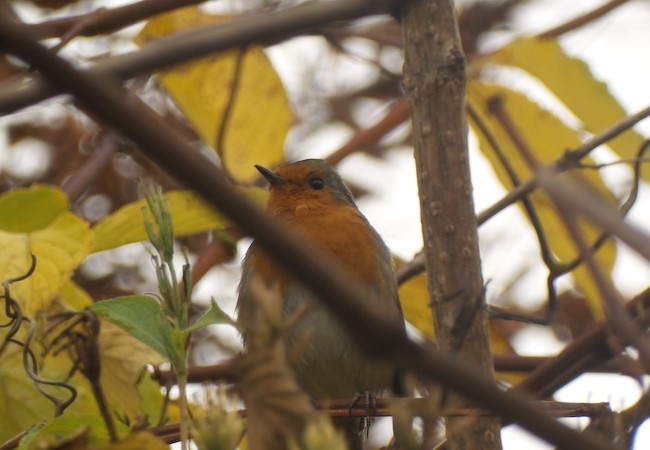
(397, 115)
(77, 184)
(192, 44)
(571, 197)
(582, 20)
(379, 337)
(103, 20)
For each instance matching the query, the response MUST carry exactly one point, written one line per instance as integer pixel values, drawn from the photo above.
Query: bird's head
(304, 187)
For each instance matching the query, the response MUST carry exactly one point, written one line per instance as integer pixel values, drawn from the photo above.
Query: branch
(397, 115)
(568, 159)
(570, 197)
(170, 433)
(435, 81)
(521, 191)
(103, 21)
(192, 44)
(582, 20)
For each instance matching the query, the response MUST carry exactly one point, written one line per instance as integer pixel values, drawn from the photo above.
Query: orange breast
(344, 234)
(341, 232)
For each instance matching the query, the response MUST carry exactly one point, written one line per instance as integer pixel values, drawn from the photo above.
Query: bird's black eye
(317, 183)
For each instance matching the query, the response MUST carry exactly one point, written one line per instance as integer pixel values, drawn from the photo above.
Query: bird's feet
(370, 401)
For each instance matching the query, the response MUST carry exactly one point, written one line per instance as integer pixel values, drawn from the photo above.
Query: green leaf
(27, 210)
(140, 316)
(212, 316)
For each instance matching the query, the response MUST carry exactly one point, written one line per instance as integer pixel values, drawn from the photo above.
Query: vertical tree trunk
(434, 78)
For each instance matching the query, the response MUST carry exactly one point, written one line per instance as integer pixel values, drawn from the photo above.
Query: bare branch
(193, 44)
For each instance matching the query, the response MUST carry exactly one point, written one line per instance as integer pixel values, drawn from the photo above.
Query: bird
(311, 200)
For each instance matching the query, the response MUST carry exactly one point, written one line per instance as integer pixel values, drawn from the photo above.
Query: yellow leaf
(500, 343)
(574, 85)
(21, 405)
(84, 433)
(547, 138)
(58, 239)
(190, 214)
(259, 116)
(416, 306)
(139, 441)
(27, 210)
(68, 432)
(74, 297)
(123, 358)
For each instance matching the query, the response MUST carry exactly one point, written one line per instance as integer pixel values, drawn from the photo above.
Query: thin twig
(104, 21)
(588, 350)
(545, 249)
(524, 189)
(613, 302)
(582, 20)
(226, 116)
(571, 155)
(398, 114)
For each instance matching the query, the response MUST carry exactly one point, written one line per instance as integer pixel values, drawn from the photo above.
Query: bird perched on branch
(314, 203)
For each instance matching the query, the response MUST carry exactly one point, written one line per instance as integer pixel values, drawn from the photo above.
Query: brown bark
(434, 78)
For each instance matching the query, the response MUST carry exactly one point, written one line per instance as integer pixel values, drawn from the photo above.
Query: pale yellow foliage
(57, 238)
(572, 82)
(259, 118)
(190, 214)
(547, 138)
(123, 359)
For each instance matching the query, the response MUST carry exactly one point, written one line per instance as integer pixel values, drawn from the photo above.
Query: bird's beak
(273, 178)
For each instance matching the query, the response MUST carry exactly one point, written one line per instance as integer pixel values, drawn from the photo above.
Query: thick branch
(434, 77)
